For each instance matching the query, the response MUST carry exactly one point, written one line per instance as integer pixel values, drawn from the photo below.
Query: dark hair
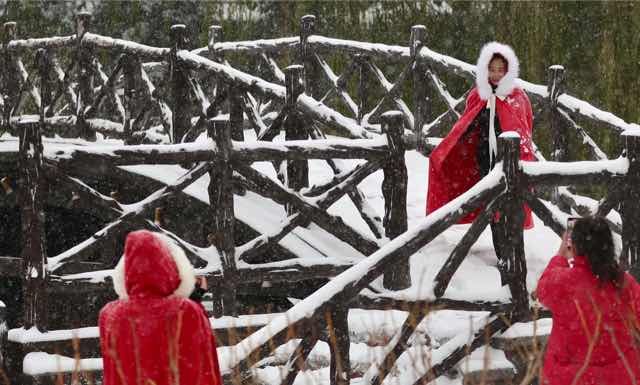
(591, 237)
(499, 56)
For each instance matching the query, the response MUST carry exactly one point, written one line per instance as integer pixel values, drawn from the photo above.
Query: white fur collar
(508, 82)
(185, 270)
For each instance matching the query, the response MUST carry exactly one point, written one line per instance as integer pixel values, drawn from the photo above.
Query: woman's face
(497, 70)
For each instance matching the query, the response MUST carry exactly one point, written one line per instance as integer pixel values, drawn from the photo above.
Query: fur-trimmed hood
(508, 82)
(153, 265)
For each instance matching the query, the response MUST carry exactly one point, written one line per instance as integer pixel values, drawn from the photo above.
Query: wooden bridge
(125, 133)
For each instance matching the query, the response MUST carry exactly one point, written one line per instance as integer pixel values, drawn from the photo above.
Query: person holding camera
(595, 308)
(155, 334)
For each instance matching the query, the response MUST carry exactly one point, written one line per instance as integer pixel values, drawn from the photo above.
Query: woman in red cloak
(469, 151)
(154, 334)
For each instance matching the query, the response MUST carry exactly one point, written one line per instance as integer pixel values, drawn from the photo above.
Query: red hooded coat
(453, 166)
(577, 301)
(154, 334)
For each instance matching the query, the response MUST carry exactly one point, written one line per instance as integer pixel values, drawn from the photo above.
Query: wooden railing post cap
(83, 20)
(392, 120)
(391, 116)
(215, 32)
(10, 26)
(178, 29)
(83, 15)
(308, 22)
(510, 136)
(40, 55)
(293, 73)
(418, 31)
(28, 120)
(508, 140)
(634, 131)
(632, 137)
(294, 69)
(217, 123)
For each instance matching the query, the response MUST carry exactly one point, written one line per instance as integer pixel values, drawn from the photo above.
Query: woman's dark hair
(499, 56)
(591, 237)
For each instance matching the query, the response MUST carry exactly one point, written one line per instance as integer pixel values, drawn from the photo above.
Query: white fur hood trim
(508, 82)
(185, 270)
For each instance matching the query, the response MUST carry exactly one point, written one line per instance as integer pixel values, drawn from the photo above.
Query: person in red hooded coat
(154, 334)
(469, 151)
(595, 307)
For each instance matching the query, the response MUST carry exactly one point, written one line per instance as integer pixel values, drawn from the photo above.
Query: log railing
(155, 95)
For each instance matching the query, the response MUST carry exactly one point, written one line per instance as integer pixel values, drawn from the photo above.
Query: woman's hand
(566, 248)
(201, 282)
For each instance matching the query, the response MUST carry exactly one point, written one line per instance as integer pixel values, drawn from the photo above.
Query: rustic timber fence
(200, 92)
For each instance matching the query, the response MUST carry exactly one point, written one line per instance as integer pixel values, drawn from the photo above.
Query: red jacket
(453, 167)
(153, 334)
(577, 300)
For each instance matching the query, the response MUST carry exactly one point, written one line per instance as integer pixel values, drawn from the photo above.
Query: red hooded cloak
(154, 334)
(453, 166)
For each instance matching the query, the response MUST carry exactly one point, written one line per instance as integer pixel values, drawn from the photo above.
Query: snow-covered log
(65, 126)
(243, 152)
(252, 47)
(391, 53)
(381, 301)
(125, 46)
(45, 42)
(573, 173)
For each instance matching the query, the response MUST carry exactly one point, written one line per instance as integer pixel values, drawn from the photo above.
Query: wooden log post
(311, 79)
(339, 344)
(297, 170)
(180, 93)
(131, 71)
(394, 190)
(215, 36)
(85, 68)
(44, 64)
(419, 80)
(363, 85)
(630, 206)
(555, 87)
(11, 82)
(221, 201)
(32, 198)
(513, 267)
(235, 103)
(558, 126)
(236, 114)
